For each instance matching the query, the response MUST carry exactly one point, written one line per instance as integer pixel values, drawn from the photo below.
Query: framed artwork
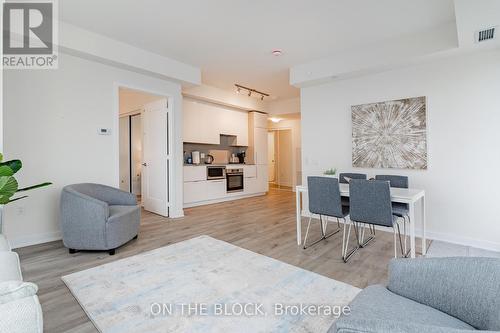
(390, 134)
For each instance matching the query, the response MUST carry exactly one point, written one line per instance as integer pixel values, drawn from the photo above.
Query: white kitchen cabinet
(260, 145)
(262, 178)
(195, 191)
(249, 171)
(193, 173)
(205, 190)
(251, 185)
(215, 189)
(197, 124)
(205, 122)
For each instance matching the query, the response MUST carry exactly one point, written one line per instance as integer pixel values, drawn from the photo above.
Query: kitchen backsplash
(204, 148)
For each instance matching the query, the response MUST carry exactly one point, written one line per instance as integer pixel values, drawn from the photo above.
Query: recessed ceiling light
(275, 120)
(277, 52)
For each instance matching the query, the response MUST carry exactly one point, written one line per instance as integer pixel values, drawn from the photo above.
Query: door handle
(144, 164)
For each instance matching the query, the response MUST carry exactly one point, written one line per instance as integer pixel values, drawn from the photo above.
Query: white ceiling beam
(92, 46)
(376, 56)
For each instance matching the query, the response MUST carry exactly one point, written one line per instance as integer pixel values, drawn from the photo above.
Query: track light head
(261, 97)
(249, 93)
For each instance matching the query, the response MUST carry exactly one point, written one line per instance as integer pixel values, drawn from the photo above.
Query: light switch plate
(104, 131)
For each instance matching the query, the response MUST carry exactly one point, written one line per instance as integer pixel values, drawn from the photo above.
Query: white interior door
(155, 157)
(271, 156)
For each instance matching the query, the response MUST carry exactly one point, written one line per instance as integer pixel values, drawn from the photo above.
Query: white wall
(463, 104)
(51, 123)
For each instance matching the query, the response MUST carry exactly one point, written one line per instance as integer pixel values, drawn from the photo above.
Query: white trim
(35, 239)
(171, 120)
(477, 243)
(448, 238)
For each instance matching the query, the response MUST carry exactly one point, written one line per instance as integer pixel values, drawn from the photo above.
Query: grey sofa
(434, 295)
(98, 217)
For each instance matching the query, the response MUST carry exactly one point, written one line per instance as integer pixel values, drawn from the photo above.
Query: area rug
(207, 285)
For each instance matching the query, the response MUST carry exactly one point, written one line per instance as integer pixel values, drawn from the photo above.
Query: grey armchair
(98, 217)
(436, 295)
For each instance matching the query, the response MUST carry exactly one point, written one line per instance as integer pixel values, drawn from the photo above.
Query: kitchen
(225, 152)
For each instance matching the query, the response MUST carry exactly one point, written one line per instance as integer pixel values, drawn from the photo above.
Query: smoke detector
(277, 52)
(485, 34)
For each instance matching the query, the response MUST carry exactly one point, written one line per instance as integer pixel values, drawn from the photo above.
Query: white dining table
(409, 196)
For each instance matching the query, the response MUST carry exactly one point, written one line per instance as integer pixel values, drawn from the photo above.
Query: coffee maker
(241, 157)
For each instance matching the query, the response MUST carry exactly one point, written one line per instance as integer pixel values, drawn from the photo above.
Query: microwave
(216, 172)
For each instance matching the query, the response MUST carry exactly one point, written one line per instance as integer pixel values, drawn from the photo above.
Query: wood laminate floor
(265, 225)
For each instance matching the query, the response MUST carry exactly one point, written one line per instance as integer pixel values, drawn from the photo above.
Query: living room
(281, 165)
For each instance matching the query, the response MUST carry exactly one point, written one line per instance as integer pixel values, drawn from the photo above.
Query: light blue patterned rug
(206, 285)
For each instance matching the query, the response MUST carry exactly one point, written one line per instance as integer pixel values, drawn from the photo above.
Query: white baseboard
(477, 243)
(35, 239)
(449, 238)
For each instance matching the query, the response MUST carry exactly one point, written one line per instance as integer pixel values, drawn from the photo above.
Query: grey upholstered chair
(343, 180)
(98, 217)
(370, 204)
(324, 200)
(342, 177)
(432, 295)
(398, 208)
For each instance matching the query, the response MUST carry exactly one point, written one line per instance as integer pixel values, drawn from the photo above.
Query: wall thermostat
(104, 131)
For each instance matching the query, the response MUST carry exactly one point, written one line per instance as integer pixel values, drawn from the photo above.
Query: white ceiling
(231, 40)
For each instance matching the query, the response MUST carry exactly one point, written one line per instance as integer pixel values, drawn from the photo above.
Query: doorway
(131, 153)
(280, 159)
(144, 148)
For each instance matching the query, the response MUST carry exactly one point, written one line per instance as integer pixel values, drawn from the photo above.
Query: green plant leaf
(1, 157)
(8, 186)
(6, 171)
(15, 165)
(34, 187)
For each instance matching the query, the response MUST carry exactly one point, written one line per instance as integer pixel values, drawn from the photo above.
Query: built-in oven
(234, 180)
(216, 172)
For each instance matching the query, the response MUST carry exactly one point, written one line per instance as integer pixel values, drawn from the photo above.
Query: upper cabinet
(205, 122)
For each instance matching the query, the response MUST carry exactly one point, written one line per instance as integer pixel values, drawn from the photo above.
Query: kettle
(209, 159)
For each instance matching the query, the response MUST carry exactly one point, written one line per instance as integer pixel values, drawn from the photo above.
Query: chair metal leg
(364, 243)
(325, 236)
(404, 252)
(345, 241)
(307, 231)
(323, 228)
(395, 240)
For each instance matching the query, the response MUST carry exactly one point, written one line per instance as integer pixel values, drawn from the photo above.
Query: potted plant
(332, 172)
(9, 185)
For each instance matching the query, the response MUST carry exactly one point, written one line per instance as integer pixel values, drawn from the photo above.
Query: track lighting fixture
(250, 91)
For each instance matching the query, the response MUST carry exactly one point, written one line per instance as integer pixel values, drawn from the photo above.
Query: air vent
(484, 35)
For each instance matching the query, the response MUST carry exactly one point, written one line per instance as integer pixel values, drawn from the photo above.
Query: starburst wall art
(390, 134)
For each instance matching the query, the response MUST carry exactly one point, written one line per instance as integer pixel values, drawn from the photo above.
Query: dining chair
(370, 204)
(398, 208)
(343, 180)
(324, 200)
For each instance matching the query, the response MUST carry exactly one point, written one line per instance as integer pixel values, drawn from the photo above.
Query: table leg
(424, 238)
(299, 216)
(412, 230)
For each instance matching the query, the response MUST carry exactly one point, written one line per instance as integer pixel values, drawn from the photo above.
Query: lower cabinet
(204, 190)
(198, 191)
